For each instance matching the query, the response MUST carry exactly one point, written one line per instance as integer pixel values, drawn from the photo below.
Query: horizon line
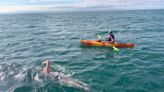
(38, 10)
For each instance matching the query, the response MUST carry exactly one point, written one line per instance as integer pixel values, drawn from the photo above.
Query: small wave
(31, 26)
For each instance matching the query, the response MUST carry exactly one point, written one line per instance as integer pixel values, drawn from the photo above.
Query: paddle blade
(99, 36)
(115, 49)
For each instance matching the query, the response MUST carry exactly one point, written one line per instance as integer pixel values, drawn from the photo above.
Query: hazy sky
(75, 5)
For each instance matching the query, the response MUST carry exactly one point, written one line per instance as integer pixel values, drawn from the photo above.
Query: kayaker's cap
(110, 32)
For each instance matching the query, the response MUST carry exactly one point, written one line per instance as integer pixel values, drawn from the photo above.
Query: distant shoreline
(79, 11)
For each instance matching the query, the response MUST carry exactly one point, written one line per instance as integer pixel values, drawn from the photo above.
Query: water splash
(34, 77)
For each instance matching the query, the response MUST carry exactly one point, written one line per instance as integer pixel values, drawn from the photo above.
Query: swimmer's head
(46, 66)
(46, 62)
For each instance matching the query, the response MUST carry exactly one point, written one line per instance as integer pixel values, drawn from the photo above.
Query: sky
(77, 5)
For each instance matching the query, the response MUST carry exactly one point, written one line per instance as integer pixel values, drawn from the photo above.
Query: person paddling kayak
(111, 38)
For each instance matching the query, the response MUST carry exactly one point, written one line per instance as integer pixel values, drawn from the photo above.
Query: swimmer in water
(63, 79)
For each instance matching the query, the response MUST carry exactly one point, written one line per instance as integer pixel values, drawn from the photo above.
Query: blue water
(28, 39)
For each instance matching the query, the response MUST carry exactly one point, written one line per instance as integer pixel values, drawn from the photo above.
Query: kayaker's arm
(114, 48)
(112, 41)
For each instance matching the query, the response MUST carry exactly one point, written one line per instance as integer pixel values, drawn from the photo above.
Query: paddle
(114, 48)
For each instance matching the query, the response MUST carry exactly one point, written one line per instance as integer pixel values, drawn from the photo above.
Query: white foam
(20, 76)
(2, 76)
(36, 78)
